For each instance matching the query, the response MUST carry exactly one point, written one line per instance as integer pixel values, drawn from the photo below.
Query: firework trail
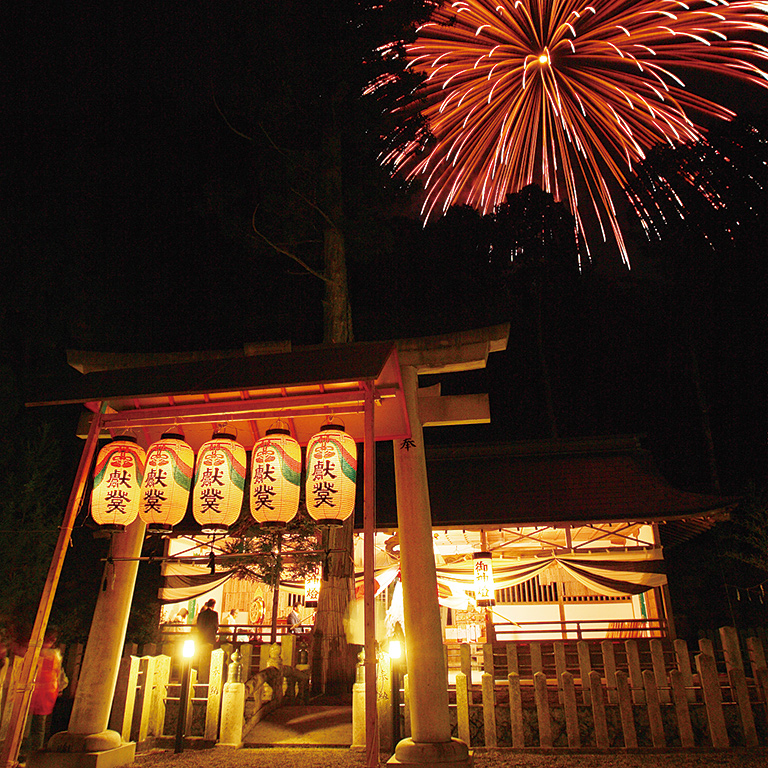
(568, 94)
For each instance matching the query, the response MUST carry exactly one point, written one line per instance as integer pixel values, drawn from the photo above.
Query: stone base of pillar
(442, 754)
(108, 758)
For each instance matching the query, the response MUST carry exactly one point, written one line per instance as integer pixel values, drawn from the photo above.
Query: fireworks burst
(567, 93)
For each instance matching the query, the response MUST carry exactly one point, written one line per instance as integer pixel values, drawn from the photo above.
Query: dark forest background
(153, 154)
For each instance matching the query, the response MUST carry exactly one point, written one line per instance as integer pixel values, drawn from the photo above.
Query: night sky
(127, 208)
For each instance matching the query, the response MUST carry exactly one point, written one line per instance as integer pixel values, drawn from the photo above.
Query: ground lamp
(117, 481)
(167, 483)
(331, 475)
(275, 478)
(187, 652)
(485, 594)
(219, 483)
(312, 586)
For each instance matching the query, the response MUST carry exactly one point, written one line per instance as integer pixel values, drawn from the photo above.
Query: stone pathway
(326, 726)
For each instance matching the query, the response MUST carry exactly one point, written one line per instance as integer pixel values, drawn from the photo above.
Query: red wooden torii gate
(372, 386)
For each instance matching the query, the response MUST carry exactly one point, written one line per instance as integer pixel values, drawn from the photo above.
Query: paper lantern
(275, 478)
(219, 483)
(167, 483)
(117, 483)
(312, 586)
(331, 475)
(485, 592)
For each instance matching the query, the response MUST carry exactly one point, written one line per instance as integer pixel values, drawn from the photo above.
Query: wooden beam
(454, 409)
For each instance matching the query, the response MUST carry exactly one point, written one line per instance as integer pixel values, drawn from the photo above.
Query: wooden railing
(239, 633)
(580, 629)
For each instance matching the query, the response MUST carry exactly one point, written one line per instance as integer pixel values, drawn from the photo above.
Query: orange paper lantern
(167, 482)
(331, 475)
(219, 483)
(117, 483)
(275, 478)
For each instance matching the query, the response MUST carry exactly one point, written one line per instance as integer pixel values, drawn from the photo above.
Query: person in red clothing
(50, 681)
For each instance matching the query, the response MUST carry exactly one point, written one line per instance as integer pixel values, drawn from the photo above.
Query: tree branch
(286, 252)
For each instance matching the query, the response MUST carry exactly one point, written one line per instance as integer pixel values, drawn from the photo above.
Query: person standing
(50, 681)
(208, 623)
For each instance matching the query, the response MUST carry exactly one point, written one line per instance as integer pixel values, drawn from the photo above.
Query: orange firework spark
(567, 93)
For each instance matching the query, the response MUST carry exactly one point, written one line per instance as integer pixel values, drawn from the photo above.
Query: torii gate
(374, 388)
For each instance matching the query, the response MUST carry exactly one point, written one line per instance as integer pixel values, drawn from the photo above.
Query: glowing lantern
(167, 482)
(117, 483)
(485, 593)
(312, 586)
(219, 483)
(275, 478)
(331, 475)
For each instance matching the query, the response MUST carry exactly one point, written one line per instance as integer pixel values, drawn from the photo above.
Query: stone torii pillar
(430, 744)
(88, 743)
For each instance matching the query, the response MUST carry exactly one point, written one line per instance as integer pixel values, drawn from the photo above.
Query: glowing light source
(331, 475)
(219, 483)
(167, 482)
(609, 87)
(188, 649)
(117, 483)
(395, 649)
(275, 478)
(485, 593)
(312, 586)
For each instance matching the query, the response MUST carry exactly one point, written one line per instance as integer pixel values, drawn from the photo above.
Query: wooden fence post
(465, 658)
(659, 670)
(537, 665)
(598, 711)
(512, 661)
(159, 693)
(560, 666)
(710, 685)
(407, 704)
(729, 639)
(585, 667)
(680, 695)
(684, 667)
(756, 654)
(515, 710)
(762, 685)
(488, 665)
(489, 710)
(568, 692)
(462, 707)
(143, 705)
(625, 710)
(654, 710)
(738, 683)
(121, 717)
(635, 671)
(542, 710)
(609, 663)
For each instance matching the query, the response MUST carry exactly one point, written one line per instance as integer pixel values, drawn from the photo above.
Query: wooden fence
(610, 694)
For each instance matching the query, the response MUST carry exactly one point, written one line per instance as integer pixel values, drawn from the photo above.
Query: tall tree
(297, 94)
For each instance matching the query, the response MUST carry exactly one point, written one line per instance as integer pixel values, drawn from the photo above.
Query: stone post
(233, 706)
(87, 740)
(430, 742)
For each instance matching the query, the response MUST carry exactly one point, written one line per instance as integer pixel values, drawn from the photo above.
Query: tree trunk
(330, 652)
(333, 671)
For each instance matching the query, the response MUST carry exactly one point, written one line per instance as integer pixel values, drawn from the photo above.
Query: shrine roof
(246, 392)
(566, 482)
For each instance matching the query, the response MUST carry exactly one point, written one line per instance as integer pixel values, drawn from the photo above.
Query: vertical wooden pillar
(369, 618)
(25, 683)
